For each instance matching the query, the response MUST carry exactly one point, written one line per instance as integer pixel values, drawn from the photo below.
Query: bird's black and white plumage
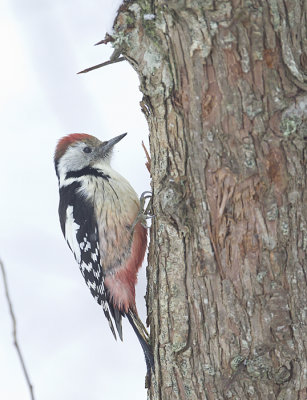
(98, 209)
(81, 233)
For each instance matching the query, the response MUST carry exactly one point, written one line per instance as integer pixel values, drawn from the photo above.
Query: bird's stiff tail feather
(143, 337)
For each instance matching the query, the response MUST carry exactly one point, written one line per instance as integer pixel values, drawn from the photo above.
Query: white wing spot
(91, 285)
(85, 266)
(71, 229)
(87, 246)
(96, 274)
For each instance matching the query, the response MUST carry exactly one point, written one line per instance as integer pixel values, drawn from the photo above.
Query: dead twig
(106, 40)
(119, 59)
(16, 344)
(148, 163)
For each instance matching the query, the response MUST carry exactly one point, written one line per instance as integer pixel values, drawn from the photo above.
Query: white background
(68, 347)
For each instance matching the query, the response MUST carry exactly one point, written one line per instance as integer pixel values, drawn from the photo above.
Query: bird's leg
(144, 212)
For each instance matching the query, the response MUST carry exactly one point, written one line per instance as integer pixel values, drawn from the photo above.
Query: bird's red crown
(66, 141)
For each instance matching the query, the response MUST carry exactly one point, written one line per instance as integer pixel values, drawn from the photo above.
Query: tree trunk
(224, 88)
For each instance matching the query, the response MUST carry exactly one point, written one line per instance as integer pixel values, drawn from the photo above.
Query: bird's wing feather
(81, 233)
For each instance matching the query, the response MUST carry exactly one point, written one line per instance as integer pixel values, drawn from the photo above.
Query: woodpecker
(101, 221)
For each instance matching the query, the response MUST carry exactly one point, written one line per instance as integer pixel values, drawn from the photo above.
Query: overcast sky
(67, 344)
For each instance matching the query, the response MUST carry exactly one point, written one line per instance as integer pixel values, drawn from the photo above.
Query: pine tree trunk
(224, 88)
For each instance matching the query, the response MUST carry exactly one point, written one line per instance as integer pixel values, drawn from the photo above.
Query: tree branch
(16, 344)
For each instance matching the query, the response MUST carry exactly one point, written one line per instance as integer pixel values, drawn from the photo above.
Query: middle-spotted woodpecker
(100, 218)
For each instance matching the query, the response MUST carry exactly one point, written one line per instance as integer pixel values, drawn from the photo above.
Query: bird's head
(79, 150)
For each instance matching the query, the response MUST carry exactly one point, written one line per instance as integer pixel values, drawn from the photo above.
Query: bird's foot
(145, 211)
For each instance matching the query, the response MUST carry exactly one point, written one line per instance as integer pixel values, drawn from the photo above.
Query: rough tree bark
(224, 85)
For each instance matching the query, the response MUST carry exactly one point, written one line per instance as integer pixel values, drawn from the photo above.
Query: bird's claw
(144, 212)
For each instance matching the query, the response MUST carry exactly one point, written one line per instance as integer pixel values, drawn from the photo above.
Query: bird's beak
(106, 147)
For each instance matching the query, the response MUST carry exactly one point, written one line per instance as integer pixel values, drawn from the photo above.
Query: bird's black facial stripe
(86, 172)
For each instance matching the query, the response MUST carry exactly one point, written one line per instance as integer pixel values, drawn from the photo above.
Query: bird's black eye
(87, 150)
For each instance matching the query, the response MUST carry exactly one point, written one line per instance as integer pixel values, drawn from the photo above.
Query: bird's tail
(143, 337)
